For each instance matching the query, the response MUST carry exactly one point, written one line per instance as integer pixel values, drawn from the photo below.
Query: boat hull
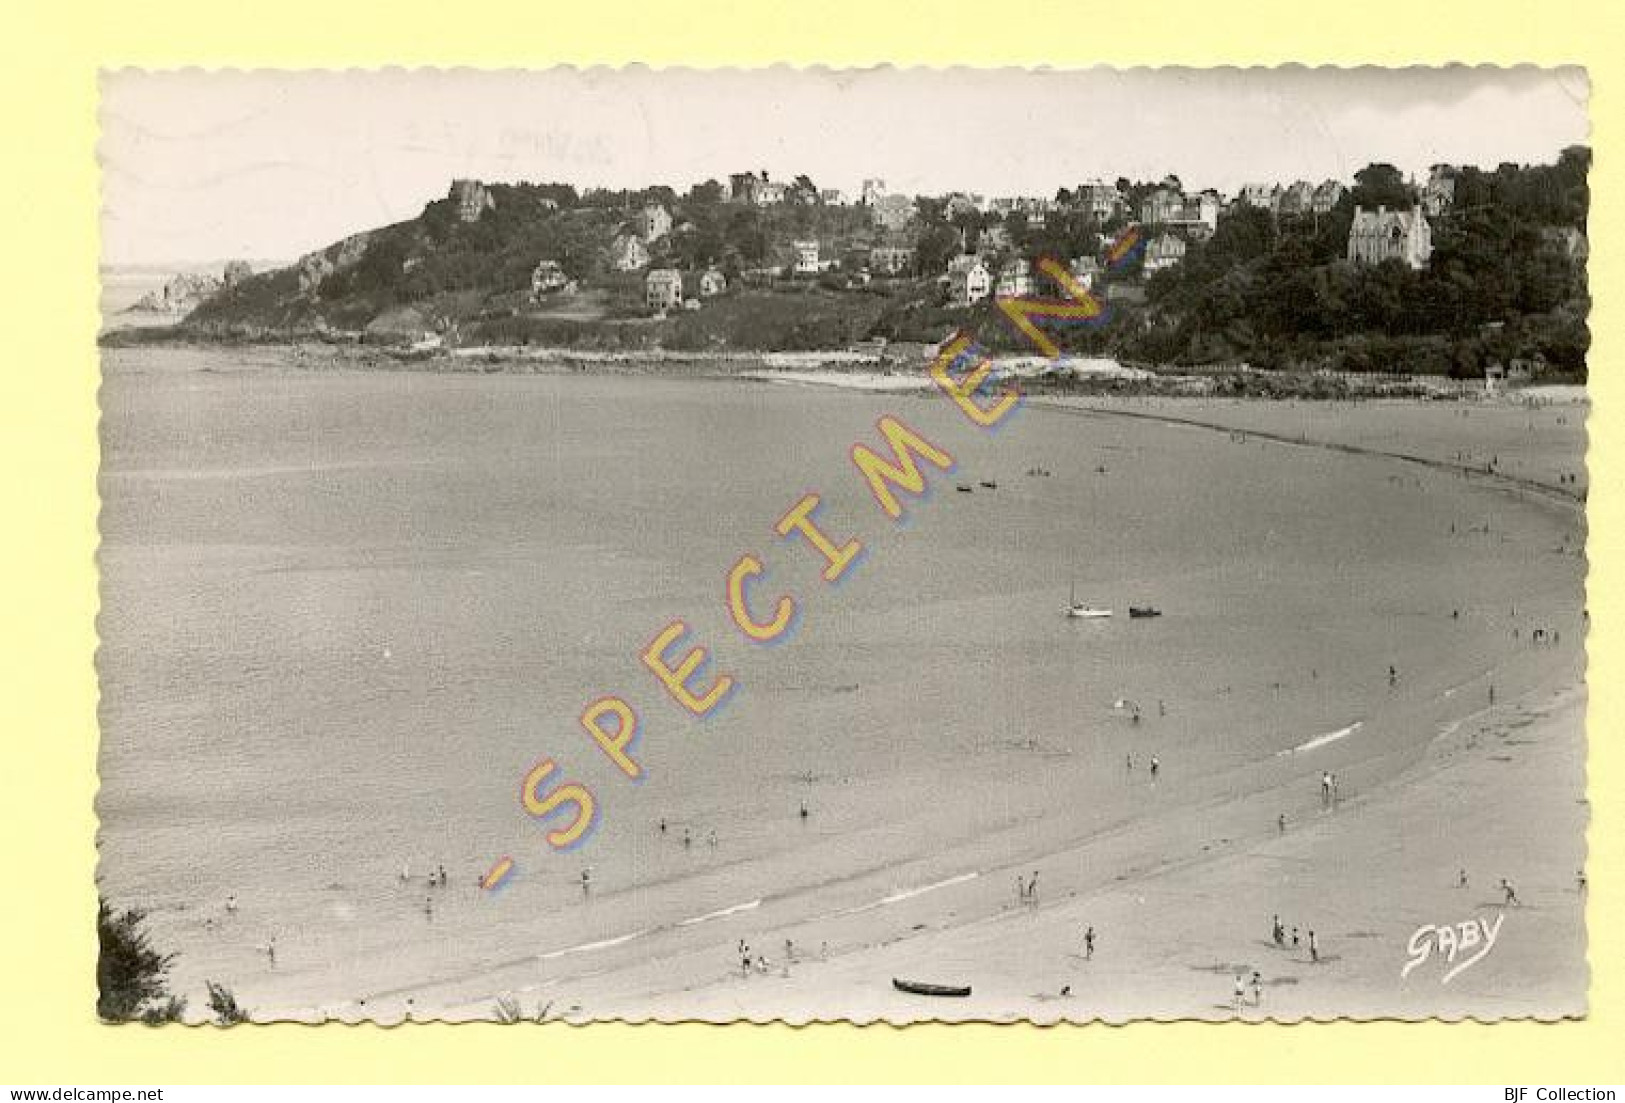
(921, 988)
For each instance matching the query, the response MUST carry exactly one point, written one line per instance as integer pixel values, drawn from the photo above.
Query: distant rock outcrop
(315, 267)
(187, 291)
(181, 295)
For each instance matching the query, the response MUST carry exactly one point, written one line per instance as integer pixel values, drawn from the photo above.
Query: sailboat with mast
(1075, 608)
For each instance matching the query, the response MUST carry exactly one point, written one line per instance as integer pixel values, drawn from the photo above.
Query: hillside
(1503, 281)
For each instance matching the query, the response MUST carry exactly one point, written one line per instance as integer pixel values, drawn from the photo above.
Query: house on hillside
(994, 239)
(1103, 201)
(757, 191)
(1566, 240)
(1161, 206)
(968, 280)
(1015, 279)
(891, 260)
(712, 283)
(663, 289)
(1440, 190)
(1266, 197)
(1085, 271)
(1198, 214)
(1379, 235)
(1299, 199)
(806, 263)
(472, 199)
(546, 277)
(627, 253)
(1327, 195)
(654, 223)
(892, 212)
(1164, 251)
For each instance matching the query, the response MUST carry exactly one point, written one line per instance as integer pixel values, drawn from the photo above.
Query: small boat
(963, 488)
(1144, 611)
(920, 988)
(990, 484)
(1075, 608)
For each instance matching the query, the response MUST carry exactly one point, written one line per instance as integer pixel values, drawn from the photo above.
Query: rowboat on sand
(921, 988)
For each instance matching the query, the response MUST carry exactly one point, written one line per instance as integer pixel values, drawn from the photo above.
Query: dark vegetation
(132, 976)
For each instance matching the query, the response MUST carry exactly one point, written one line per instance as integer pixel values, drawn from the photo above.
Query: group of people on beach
(757, 963)
(688, 835)
(1257, 983)
(1155, 765)
(1282, 940)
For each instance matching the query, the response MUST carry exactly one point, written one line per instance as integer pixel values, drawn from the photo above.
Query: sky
(265, 166)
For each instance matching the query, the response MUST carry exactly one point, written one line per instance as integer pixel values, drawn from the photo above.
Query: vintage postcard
(964, 545)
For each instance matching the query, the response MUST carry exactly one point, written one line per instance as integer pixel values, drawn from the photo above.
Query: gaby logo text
(1470, 941)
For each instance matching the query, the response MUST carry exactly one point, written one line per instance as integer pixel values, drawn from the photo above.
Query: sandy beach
(427, 590)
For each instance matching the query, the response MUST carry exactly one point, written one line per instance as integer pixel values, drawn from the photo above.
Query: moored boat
(1076, 608)
(921, 988)
(1142, 611)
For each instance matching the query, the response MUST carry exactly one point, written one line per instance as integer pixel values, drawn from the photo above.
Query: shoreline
(869, 370)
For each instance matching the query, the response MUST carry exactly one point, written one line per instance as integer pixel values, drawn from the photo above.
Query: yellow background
(48, 455)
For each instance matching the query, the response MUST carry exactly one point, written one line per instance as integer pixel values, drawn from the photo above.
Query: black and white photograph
(815, 544)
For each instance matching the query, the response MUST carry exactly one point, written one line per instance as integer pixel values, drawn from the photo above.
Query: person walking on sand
(1510, 893)
(1277, 932)
(1155, 766)
(688, 838)
(586, 881)
(1325, 787)
(1280, 823)
(1089, 944)
(1258, 989)
(1461, 880)
(1580, 882)
(1314, 949)
(1130, 762)
(270, 951)
(231, 905)
(1294, 938)
(1032, 890)
(1021, 890)
(1240, 993)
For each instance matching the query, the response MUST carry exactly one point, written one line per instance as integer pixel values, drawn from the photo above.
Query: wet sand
(336, 631)
(1181, 907)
